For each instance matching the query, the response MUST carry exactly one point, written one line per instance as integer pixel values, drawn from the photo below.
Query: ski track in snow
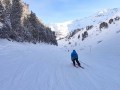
(34, 67)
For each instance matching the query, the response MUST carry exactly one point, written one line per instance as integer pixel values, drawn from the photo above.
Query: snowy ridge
(94, 39)
(97, 18)
(107, 12)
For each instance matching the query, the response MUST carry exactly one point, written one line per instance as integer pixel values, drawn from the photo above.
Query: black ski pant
(76, 60)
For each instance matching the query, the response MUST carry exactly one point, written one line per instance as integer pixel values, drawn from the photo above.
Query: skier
(74, 58)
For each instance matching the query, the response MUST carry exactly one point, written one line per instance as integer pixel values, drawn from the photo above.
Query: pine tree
(1, 12)
(16, 13)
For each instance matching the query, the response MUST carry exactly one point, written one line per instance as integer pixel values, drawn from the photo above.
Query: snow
(45, 67)
(60, 28)
(95, 35)
(102, 16)
(1, 25)
(97, 18)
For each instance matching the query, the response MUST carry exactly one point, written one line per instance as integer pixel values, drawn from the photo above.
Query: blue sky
(53, 11)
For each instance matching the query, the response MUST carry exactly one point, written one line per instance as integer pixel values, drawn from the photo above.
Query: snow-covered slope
(97, 18)
(95, 35)
(31, 67)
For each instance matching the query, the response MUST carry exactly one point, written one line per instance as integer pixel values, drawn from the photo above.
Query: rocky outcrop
(21, 25)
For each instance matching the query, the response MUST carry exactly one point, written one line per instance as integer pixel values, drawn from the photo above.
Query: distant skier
(74, 58)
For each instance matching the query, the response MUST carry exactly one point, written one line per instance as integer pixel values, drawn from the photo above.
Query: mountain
(61, 29)
(88, 22)
(17, 23)
(95, 19)
(92, 32)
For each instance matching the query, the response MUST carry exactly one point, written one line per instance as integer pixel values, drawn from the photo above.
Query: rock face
(17, 23)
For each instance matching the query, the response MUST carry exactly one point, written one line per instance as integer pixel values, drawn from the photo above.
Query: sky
(56, 11)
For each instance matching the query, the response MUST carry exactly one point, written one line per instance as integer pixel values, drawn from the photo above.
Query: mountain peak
(107, 12)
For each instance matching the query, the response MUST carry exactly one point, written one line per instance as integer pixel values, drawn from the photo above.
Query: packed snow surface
(45, 67)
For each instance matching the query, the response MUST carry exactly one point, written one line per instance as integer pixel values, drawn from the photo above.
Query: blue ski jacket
(74, 55)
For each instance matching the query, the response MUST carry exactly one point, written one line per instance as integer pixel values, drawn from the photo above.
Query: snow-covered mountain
(17, 23)
(95, 19)
(92, 31)
(61, 29)
(99, 17)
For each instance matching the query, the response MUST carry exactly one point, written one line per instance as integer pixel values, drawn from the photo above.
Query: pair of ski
(79, 66)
